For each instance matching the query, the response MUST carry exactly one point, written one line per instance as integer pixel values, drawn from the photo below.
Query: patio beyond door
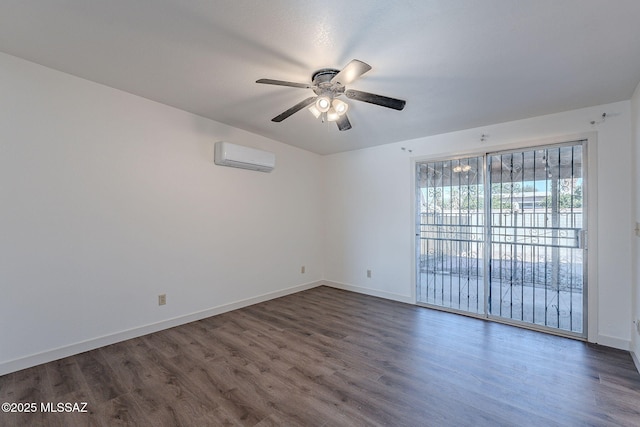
(503, 236)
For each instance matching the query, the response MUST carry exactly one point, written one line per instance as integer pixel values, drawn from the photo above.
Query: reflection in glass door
(503, 236)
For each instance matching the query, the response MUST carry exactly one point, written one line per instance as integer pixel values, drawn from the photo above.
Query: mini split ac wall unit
(238, 156)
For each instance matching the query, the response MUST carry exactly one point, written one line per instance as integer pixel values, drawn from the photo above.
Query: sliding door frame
(591, 199)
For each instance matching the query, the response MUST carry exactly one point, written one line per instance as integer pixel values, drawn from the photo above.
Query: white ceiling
(458, 63)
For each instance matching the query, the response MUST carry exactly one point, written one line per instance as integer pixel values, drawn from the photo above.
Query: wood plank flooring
(326, 357)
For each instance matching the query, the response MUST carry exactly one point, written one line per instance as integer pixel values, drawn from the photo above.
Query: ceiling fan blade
(351, 72)
(283, 83)
(372, 98)
(299, 106)
(343, 122)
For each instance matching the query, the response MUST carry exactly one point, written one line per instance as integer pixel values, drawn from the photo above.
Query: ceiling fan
(329, 84)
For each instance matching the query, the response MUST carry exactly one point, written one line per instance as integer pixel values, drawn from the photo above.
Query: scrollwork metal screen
(451, 224)
(537, 236)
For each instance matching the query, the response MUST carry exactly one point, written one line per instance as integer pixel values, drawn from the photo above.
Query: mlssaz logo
(63, 407)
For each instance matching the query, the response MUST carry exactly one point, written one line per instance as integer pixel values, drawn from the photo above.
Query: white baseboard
(368, 291)
(80, 347)
(614, 342)
(636, 361)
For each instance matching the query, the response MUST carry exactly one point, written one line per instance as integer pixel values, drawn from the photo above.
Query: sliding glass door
(503, 236)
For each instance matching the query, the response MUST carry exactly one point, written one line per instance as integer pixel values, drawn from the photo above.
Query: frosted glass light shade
(323, 104)
(315, 111)
(339, 106)
(332, 115)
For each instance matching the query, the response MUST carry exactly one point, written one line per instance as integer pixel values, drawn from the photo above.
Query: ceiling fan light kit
(329, 84)
(329, 112)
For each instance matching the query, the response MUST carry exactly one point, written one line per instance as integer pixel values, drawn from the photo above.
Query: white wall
(635, 108)
(370, 223)
(108, 199)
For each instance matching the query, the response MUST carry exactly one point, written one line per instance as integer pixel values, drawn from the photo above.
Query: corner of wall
(635, 124)
(368, 291)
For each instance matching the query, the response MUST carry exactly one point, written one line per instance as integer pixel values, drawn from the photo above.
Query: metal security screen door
(503, 236)
(451, 236)
(537, 237)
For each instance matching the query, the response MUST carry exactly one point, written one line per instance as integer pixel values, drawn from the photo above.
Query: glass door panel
(450, 224)
(537, 255)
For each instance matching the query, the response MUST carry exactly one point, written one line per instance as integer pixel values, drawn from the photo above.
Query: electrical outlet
(638, 325)
(368, 274)
(162, 299)
(638, 229)
(302, 269)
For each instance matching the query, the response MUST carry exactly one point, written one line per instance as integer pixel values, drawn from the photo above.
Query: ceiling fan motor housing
(323, 75)
(322, 85)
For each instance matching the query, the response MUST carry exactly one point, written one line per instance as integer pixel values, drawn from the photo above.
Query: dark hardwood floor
(335, 358)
